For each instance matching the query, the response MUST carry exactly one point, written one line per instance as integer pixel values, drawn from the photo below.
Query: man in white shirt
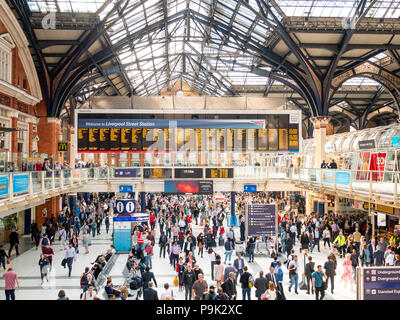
(89, 294)
(167, 293)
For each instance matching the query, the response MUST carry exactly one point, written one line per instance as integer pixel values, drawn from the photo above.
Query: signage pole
(276, 230)
(247, 222)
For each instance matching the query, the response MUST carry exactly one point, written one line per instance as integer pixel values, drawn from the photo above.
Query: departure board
(157, 173)
(216, 173)
(122, 132)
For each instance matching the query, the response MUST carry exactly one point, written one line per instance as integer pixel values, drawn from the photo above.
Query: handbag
(8, 261)
(64, 262)
(176, 281)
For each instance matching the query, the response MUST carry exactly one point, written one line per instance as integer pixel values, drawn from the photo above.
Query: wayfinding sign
(378, 283)
(261, 220)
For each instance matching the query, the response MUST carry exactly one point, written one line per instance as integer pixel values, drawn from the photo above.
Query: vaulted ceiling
(338, 58)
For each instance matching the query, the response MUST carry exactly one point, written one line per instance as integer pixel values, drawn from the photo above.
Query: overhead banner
(261, 220)
(118, 131)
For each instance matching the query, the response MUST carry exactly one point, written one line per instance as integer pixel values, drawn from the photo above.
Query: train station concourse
(199, 150)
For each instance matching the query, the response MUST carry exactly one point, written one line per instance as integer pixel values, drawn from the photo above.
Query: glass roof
(81, 6)
(201, 42)
(338, 8)
(184, 47)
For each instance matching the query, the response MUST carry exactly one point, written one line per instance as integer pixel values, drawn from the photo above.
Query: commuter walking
(107, 223)
(14, 242)
(86, 241)
(219, 273)
(11, 278)
(330, 271)
(341, 241)
(3, 257)
(200, 287)
(293, 273)
(44, 265)
(70, 255)
(326, 235)
(188, 279)
(318, 282)
(308, 272)
(229, 247)
(260, 284)
(245, 280)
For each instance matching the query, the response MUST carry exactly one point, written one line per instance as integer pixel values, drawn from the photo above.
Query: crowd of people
(188, 228)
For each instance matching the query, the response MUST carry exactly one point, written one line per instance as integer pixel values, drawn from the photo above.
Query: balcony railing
(367, 183)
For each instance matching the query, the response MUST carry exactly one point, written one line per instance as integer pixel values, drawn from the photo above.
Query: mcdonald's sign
(62, 146)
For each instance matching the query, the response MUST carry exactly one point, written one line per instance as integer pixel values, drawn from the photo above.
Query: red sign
(378, 161)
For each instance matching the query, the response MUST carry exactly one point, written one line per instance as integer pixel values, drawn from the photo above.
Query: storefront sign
(366, 144)
(368, 206)
(385, 209)
(62, 146)
(381, 283)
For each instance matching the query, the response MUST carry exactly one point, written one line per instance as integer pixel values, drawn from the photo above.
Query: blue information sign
(125, 189)
(125, 206)
(396, 141)
(20, 183)
(3, 185)
(381, 283)
(250, 188)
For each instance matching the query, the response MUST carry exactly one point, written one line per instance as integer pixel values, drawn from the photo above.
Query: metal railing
(15, 185)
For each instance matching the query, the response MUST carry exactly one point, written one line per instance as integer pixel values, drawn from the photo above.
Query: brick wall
(52, 206)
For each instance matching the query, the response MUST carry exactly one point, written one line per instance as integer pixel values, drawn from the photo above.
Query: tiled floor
(26, 265)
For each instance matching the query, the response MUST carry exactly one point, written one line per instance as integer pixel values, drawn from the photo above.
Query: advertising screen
(188, 186)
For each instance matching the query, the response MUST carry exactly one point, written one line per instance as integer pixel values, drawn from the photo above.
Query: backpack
(136, 283)
(228, 245)
(251, 282)
(84, 280)
(223, 286)
(45, 241)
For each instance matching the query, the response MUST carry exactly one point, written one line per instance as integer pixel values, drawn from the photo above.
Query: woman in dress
(347, 276)
(219, 273)
(85, 239)
(200, 243)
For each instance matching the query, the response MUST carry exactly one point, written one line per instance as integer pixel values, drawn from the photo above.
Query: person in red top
(149, 250)
(48, 253)
(152, 220)
(189, 218)
(10, 278)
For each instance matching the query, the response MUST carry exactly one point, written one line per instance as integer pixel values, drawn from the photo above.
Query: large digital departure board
(120, 131)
